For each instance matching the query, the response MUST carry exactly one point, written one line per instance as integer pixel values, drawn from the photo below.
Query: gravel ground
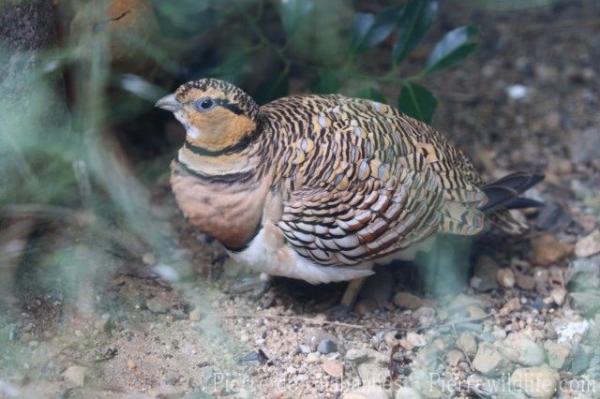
(523, 324)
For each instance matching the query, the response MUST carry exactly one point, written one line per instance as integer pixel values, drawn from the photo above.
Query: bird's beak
(168, 103)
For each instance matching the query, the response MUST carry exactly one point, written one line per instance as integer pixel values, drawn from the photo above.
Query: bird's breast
(231, 213)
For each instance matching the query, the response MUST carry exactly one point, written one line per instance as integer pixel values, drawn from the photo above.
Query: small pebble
(313, 357)
(327, 346)
(453, 357)
(517, 91)
(76, 375)
(510, 306)
(505, 277)
(195, 314)
(149, 258)
(406, 300)
(475, 312)
(558, 295)
(467, 343)
(334, 368)
(131, 365)
(525, 282)
(254, 358)
(412, 340)
(156, 305)
(365, 306)
(425, 315)
(357, 355)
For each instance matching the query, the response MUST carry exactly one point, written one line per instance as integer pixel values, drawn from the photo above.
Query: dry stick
(302, 319)
(463, 321)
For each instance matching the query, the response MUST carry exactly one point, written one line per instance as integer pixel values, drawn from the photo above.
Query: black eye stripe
(207, 103)
(232, 107)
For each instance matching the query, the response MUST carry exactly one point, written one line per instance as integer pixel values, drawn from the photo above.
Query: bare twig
(306, 320)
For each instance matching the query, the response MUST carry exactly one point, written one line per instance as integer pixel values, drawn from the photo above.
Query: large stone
(406, 300)
(373, 373)
(557, 354)
(536, 382)
(548, 250)
(424, 382)
(519, 348)
(367, 392)
(467, 343)
(588, 245)
(364, 355)
(407, 393)
(454, 356)
(488, 361)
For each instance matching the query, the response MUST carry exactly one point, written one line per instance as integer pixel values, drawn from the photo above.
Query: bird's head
(216, 114)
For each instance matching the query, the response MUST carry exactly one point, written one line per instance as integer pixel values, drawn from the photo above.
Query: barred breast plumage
(322, 187)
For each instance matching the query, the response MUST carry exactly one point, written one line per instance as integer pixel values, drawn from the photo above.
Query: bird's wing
(364, 180)
(347, 227)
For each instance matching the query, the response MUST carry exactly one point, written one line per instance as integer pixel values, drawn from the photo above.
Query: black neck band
(232, 149)
(235, 177)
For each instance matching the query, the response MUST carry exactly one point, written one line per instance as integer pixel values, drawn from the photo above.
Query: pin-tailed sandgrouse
(322, 187)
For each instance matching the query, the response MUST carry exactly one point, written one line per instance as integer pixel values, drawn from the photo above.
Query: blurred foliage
(76, 181)
(77, 178)
(507, 5)
(272, 48)
(79, 135)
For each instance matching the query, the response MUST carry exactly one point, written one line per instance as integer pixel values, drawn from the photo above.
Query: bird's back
(360, 180)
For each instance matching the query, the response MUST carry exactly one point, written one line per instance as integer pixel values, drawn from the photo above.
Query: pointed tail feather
(504, 195)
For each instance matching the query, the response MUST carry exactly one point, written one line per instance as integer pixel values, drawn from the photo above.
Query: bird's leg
(348, 299)
(352, 291)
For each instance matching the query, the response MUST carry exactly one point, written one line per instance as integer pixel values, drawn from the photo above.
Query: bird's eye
(204, 104)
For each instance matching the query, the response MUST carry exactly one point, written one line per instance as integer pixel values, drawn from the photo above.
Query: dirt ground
(523, 325)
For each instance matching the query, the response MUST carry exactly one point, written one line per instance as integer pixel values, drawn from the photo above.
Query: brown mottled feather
(361, 180)
(346, 181)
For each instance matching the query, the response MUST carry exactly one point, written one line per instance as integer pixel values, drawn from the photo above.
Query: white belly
(286, 262)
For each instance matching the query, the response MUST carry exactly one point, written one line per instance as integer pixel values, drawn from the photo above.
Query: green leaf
(454, 47)
(293, 12)
(372, 94)
(416, 101)
(369, 30)
(327, 82)
(415, 21)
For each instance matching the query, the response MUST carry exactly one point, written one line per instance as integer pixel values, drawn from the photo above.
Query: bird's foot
(255, 286)
(338, 311)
